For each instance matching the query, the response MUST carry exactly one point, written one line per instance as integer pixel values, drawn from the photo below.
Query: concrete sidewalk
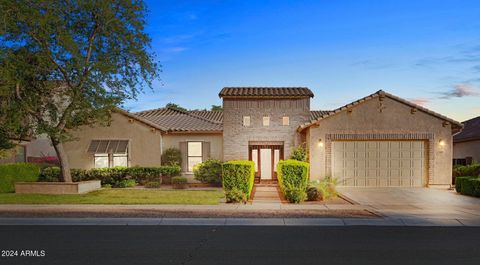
(241, 221)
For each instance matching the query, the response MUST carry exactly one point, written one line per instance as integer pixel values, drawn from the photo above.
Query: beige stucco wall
(144, 142)
(395, 118)
(466, 149)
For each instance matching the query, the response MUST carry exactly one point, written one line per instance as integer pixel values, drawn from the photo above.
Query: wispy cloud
(420, 101)
(460, 91)
(174, 49)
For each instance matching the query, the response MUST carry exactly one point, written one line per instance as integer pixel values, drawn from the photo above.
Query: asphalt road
(240, 245)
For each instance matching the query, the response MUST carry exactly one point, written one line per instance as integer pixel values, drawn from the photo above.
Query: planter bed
(57, 187)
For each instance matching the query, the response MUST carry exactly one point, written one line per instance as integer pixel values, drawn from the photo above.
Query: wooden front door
(266, 158)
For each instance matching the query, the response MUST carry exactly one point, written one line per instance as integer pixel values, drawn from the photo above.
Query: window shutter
(205, 151)
(183, 151)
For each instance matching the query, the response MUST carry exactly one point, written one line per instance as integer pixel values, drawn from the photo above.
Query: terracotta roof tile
(265, 92)
(178, 121)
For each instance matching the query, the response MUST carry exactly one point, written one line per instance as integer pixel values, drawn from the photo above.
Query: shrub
(468, 170)
(209, 171)
(468, 186)
(295, 194)
(179, 180)
(172, 157)
(125, 183)
(312, 193)
(235, 195)
(107, 186)
(299, 153)
(292, 178)
(238, 174)
(153, 184)
(326, 187)
(18, 172)
(112, 176)
(459, 182)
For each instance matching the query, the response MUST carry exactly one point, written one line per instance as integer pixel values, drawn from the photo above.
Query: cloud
(420, 101)
(174, 49)
(460, 90)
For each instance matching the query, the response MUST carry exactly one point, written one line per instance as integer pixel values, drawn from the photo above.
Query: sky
(424, 51)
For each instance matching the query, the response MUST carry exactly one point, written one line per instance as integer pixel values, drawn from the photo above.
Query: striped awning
(108, 147)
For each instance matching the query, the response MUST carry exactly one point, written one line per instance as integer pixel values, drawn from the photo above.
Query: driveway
(416, 203)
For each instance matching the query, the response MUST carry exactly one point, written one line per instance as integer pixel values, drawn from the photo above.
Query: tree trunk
(63, 159)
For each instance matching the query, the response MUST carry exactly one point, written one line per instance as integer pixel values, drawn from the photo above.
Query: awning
(108, 146)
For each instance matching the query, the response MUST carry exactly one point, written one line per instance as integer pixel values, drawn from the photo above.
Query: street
(240, 245)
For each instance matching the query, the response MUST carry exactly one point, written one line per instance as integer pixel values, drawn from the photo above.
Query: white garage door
(379, 163)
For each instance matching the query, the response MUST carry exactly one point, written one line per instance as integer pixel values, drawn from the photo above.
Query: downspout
(161, 147)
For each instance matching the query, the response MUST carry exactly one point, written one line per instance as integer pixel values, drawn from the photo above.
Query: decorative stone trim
(428, 137)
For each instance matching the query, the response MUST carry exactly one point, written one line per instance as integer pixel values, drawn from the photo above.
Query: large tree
(65, 64)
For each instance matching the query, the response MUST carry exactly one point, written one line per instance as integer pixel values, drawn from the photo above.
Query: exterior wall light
(441, 143)
(320, 143)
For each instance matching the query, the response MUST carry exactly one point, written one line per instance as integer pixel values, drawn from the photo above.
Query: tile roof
(262, 92)
(216, 116)
(315, 114)
(454, 123)
(183, 121)
(470, 132)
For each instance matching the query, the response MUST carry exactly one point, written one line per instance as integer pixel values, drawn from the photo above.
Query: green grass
(119, 196)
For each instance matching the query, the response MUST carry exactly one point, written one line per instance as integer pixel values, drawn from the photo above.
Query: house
(379, 140)
(466, 144)
(35, 150)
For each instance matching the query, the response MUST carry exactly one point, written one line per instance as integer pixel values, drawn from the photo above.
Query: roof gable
(377, 94)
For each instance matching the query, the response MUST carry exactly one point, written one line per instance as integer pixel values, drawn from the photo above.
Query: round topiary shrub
(209, 171)
(172, 157)
(179, 183)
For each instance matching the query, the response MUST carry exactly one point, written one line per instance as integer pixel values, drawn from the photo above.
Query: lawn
(119, 196)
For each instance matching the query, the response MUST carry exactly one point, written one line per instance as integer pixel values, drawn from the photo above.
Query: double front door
(266, 158)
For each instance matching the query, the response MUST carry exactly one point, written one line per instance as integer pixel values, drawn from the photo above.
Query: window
(120, 160)
(266, 121)
(101, 160)
(194, 150)
(109, 153)
(20, 153)
(286, 120)
(246, 121)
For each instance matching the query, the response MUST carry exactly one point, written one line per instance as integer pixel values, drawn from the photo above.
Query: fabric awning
(108, 146)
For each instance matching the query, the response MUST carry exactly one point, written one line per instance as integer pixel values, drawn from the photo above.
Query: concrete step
(266, 188)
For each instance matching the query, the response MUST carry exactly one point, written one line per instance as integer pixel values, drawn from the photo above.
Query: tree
(217, 108)
(175, 106)
(66, 64)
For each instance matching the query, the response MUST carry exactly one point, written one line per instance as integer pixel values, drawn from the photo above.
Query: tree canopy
(64, 64)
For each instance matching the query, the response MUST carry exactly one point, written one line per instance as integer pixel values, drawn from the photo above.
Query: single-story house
(378, 140)
(466, 144)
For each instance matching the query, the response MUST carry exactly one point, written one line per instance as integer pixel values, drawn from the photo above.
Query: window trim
(188, 154)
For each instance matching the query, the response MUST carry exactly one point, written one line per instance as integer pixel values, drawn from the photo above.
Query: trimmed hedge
(238, 175)
(209, 171)
(468, 186)
(18, 172)
(468, 170)
(113, 176)
(293, 179)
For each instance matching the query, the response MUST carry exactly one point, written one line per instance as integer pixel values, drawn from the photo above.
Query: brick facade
(237, 137)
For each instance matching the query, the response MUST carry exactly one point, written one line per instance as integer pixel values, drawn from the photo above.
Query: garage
(382, 163)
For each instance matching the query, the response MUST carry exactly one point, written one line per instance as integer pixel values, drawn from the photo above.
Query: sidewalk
(229, 214)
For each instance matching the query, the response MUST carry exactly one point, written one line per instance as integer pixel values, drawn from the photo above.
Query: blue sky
(424, 51)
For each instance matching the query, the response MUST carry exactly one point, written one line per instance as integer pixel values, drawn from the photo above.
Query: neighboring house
(379, 140)
(35, 150)
(466, 144)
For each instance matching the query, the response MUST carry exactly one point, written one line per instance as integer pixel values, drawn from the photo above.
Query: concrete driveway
(417, 204)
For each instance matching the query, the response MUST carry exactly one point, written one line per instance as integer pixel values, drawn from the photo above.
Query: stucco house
(379, 140)
(466, 144)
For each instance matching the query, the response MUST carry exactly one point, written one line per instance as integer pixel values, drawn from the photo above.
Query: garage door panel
(379, 163)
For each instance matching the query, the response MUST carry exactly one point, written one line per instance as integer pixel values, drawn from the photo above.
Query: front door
(266, 158)
(266, 164)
